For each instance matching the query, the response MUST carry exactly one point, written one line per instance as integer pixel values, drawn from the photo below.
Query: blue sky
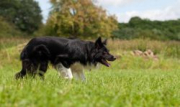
(125, 9)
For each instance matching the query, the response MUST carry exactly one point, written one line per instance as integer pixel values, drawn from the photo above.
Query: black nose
(114, 58)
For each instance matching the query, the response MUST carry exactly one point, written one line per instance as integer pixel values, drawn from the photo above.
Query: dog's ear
(98, 43)
(105, 42)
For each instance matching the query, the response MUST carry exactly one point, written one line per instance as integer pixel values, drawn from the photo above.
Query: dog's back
(44, 44)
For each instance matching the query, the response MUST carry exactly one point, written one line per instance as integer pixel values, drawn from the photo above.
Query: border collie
(63, 54)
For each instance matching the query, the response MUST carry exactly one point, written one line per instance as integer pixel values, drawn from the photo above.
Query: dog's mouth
(104, 62)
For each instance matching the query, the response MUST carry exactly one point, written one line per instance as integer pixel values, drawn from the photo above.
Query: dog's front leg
(79, 75)
(63, 71)
(66, 73)
(78, 71)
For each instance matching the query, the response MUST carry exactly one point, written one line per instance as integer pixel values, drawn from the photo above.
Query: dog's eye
(104, 52)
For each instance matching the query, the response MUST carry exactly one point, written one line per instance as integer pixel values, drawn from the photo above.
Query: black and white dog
(63, 54)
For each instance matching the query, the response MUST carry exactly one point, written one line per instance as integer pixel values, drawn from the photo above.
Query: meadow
(131, 81)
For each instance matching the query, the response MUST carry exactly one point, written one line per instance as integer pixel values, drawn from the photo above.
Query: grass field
(130, 81)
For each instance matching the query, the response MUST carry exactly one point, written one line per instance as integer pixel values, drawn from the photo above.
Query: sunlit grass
(104, 87)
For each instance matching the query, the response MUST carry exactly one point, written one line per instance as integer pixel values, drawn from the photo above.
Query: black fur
(39, 51)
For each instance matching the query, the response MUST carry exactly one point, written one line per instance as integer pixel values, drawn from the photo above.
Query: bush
(8, 29)
(24, 14)
(144, 28)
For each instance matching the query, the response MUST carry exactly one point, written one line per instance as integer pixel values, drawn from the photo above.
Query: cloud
(167, 13)
(108, 3)
(125, 9)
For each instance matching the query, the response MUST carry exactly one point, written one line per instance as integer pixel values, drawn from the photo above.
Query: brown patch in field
(148, 54)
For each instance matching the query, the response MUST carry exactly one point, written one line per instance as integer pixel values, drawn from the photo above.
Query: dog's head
(101, 53)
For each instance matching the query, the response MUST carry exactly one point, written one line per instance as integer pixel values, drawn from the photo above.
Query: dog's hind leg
(43, 68)
(25, 66)
(64, 72)
(20, 74)
(33, 70)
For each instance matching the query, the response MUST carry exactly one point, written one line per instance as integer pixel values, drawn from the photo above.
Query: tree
(145, 28)
(80, 18)
(135, 21)
(25, 14)
(8, 29)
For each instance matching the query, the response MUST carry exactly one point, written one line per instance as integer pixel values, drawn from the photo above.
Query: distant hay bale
(148, 54)
(137, 53)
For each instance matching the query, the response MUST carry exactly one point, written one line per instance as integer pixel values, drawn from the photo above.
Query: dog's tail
(41, 51)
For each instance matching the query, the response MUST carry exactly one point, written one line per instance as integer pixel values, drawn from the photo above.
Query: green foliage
(79, 18)
(25, 14)
(144, 28)
(8, 29)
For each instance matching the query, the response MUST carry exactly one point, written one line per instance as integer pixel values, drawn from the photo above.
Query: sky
(125, 9)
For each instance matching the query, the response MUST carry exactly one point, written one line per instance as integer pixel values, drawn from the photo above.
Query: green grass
(129, 82)
(104, 87)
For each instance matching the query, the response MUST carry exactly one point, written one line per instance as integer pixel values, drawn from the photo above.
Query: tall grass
(167, 48)
(168, 53)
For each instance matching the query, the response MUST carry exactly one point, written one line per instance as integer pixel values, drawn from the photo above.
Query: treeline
(78, 18)
(19, 17)
(145, 28)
